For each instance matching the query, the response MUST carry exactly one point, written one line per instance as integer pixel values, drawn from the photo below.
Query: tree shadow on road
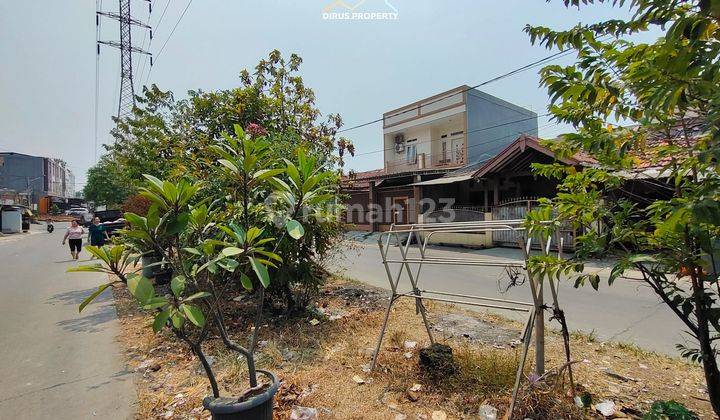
(120, 376)
(75, 297)
(91, 322)
(100, 312)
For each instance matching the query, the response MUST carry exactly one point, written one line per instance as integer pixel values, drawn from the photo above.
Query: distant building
(36, 176)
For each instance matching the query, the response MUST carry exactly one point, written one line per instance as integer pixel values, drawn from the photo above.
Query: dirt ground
(322, 360)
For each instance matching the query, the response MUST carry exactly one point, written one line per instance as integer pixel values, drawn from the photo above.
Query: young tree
(107, 184)
(670, 91)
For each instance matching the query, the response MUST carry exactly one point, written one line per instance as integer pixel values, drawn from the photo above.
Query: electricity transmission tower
(127, 91)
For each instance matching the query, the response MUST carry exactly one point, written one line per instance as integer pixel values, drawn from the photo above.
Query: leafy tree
(107, 184)
(183, 139)
(214, 247)
(670, 91)
(168, 138)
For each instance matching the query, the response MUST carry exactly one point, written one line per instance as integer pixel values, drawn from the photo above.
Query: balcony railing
(423, 161)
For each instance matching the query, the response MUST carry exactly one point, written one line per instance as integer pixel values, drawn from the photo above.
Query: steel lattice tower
(127, 91)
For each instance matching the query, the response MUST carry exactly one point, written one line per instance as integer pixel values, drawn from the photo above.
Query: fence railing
(424, 161)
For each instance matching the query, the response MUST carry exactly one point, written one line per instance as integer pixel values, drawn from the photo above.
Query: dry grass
(317, 363)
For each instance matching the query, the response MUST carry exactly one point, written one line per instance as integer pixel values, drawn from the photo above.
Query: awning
(445, 180)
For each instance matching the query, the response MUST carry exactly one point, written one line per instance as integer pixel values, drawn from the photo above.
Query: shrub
(137, 204)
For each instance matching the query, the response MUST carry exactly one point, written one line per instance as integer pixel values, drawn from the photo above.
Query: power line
(157, 56)
(98, 7)
(140, 70)
(494, 79)
(157, 26)
(491, 141)
(469, 131)
(162, 15)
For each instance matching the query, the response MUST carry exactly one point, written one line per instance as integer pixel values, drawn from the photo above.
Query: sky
(357, 68)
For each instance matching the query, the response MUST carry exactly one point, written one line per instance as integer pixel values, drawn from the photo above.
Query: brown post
(372, 201)
(417, 196)
(496, 191)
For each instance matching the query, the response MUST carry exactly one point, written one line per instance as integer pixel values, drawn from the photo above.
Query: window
(411, 153)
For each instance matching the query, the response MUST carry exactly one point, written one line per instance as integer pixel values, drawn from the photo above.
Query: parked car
(81, 213)
(112, 220)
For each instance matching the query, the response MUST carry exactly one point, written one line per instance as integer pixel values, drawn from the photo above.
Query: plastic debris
(303, 413)
(487, 412)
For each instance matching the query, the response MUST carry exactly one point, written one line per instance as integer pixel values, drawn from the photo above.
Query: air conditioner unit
(400, 143)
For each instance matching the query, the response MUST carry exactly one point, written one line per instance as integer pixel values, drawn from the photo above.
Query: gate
(516, 209)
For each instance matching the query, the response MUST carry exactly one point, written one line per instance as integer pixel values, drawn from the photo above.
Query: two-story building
(454, 130)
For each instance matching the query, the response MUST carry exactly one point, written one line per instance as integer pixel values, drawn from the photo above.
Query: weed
(398, 337)
(482, 371)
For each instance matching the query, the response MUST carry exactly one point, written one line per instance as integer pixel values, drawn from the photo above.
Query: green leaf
(177, 285)
(141, 289)
(197, 295)
(178, 224)
(261, 271)
(246, 282)
(156, 303)
(136, 222)
(177, 319)
(194, 314)
(295, 229)
(232, 251)
(154, 181)
(96, 268)
(267, 173)
(192, 251)
(93, 296)
(160, 320)
(226, 163)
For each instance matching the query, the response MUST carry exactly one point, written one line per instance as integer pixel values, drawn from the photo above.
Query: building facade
(36, 176)
(455, 128)
(452, 131)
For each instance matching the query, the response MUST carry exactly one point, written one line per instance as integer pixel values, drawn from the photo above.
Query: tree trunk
(710, 366)
(709, 362)
(712, 374)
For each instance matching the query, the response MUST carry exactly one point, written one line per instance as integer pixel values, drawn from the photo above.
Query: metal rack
(404, 236)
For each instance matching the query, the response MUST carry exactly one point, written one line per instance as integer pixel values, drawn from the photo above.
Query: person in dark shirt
(98, 234)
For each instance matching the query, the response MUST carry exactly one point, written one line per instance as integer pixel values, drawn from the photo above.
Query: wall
(16, 169)
(423, 144)
(431, 105)
(484, 111)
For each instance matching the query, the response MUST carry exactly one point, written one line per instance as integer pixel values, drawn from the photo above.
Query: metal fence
(517, 209)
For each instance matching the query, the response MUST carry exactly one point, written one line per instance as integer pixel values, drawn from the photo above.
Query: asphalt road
(627, 312)
(56, 363)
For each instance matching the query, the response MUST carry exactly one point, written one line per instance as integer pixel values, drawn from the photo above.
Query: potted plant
(210, 249)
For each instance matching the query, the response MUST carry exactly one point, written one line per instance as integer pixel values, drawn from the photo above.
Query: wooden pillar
(486, 186)
(417, 196)
(496, 191)
(372, 213)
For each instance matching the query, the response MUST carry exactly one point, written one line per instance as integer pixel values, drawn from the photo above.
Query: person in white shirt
(74, 235)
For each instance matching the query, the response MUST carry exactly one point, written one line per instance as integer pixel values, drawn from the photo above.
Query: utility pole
(127, 90)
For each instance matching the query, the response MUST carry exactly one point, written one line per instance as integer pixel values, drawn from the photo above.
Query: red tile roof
(360, 180)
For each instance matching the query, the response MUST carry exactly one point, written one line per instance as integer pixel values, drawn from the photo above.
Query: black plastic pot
(259, 407)
(162, 275)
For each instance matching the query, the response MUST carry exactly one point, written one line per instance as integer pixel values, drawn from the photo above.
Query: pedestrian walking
(73, 236)
(98, 234)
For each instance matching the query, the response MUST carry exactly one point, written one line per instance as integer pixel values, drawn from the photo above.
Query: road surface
(627, 312)
(56, 363)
